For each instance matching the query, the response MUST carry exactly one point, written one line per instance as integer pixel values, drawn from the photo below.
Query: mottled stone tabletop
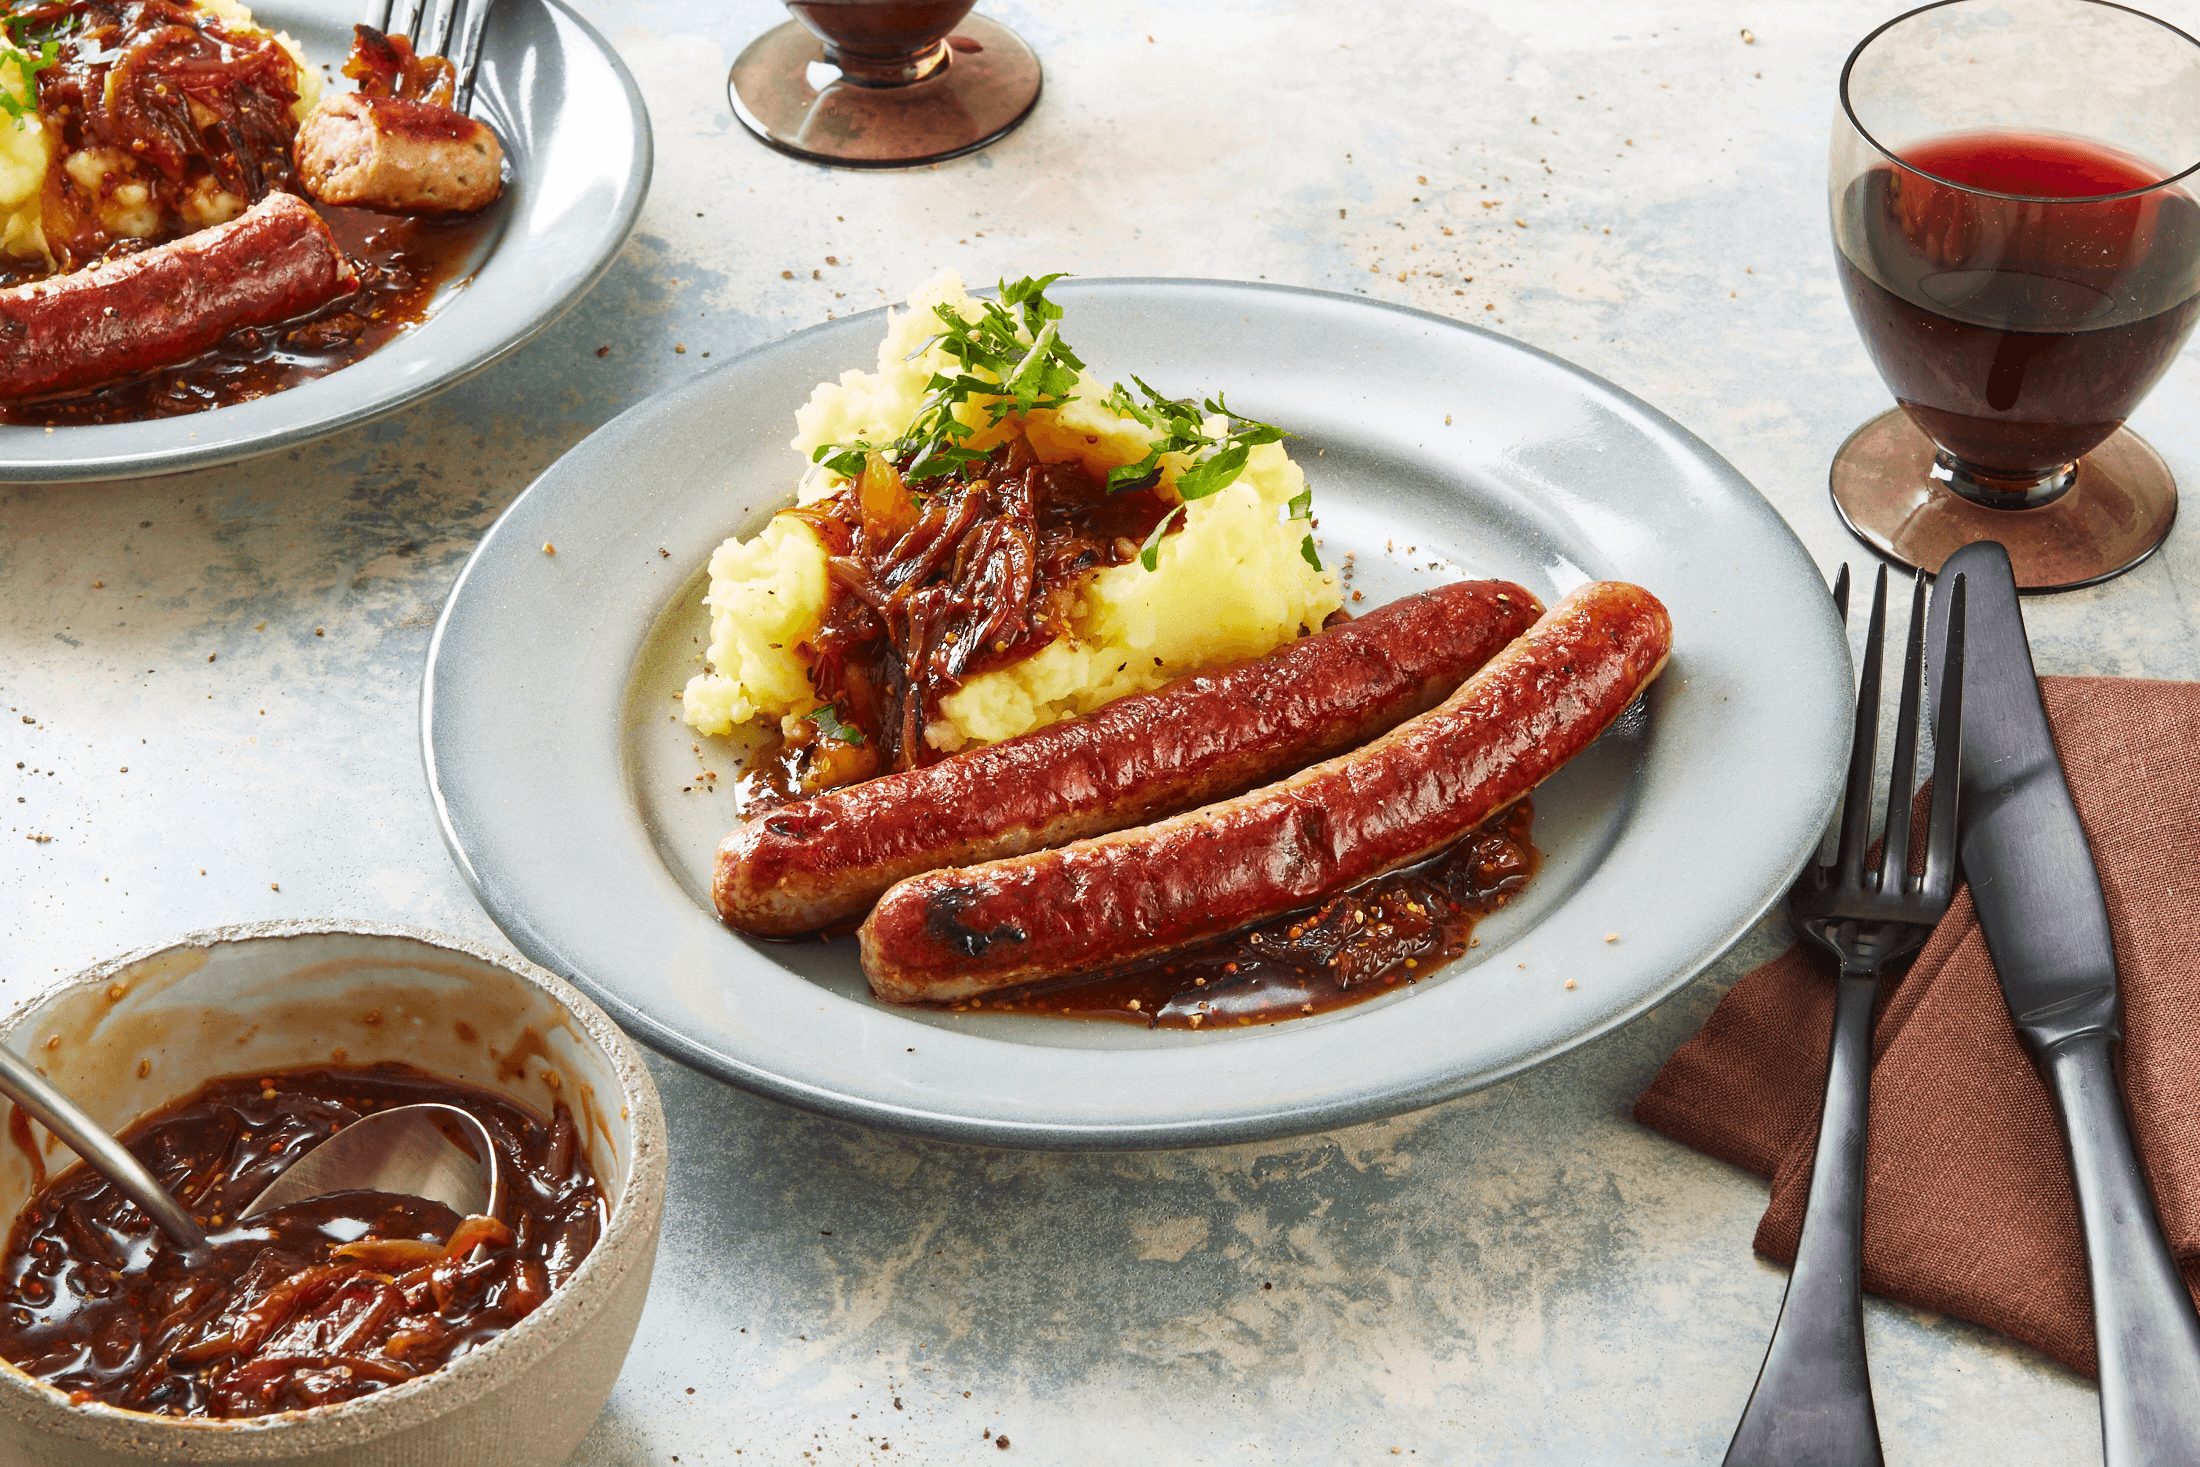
(224, 670)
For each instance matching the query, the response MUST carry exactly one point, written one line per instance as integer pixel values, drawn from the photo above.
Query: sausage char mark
(943, 921)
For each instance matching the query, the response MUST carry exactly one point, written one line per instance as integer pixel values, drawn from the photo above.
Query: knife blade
(2039, 902)
(2032, 876)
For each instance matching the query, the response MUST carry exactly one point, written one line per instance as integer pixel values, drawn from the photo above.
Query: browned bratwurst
(1200, 738)
(1136, 894)
(273, 262)
(398, 155)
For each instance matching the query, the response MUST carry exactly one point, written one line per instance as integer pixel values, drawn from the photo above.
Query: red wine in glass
(2018, 239)
(2019, 334)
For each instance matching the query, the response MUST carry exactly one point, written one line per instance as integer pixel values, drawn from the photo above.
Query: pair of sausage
(1136, 894)
(1204, 737)
(1119, 898)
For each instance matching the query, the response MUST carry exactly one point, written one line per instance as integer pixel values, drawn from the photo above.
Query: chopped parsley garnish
(1183, 428)
(59, 24)
(828, 724)
(19, 97)
(1026, 375)
(1182, 424)
(1302, 508)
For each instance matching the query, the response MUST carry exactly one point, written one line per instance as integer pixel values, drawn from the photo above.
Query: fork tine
(442, 46)
(468, 60)
(387, 7)
(1894, 860)
(406, 21)
(1814, 872)
(1856, 808)
(1940, 842)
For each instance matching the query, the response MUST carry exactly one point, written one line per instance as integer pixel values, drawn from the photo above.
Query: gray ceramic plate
(577, 135)
(1436, 451)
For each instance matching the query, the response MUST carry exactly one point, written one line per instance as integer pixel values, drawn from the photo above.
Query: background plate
(1436, 451)
(577, 137)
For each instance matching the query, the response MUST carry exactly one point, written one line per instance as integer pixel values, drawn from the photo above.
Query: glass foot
(786, 92)
(2115, 514)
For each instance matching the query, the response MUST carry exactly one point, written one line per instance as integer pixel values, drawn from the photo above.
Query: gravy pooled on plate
(332, 1298)
(1357, 945)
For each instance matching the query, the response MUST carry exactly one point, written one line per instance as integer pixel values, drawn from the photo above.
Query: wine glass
(883, 83)
(2022, 256)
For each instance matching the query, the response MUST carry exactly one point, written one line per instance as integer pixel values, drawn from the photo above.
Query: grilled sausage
(273, 262)
(1136, 894)
(398, 155)
(1202, 737)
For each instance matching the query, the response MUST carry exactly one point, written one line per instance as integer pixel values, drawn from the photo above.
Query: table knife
(2039, 902)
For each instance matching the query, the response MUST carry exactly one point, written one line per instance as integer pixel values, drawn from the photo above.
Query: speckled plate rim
(1747, 737)
(575, 193)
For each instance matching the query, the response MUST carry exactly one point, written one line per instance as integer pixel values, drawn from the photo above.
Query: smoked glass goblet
(2021, 251)
(884, 83)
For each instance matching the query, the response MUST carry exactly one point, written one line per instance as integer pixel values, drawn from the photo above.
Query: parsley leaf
(1211, 475)
(1141, 475)
(19, 95)
(844, 459)
(827, 721)
(1149, 554)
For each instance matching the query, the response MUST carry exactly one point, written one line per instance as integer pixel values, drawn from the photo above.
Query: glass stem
(1990, 490)
(899, 71)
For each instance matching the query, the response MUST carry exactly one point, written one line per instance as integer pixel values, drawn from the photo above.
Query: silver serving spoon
(428, 1150)
(438, 1152)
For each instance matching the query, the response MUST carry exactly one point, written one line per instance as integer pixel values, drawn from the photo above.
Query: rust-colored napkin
(1968, 1207)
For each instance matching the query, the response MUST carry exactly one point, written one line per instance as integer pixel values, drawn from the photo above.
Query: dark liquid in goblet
(880, 29)
(2019, 333)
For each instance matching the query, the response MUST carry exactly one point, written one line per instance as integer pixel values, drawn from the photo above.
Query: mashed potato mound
(1231, 583)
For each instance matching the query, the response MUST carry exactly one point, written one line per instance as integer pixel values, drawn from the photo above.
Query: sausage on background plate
(1137, 894)
(1199, 738)
(398, 155)
(165, 305)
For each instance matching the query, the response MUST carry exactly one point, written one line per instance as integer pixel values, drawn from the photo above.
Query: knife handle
(1812, 1405)
(2143, 1320)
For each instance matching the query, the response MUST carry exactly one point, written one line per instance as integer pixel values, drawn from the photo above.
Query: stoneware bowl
(135, 1033)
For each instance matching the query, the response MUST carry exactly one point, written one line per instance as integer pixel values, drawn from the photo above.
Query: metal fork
(1812, 1405)
(408, 22)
